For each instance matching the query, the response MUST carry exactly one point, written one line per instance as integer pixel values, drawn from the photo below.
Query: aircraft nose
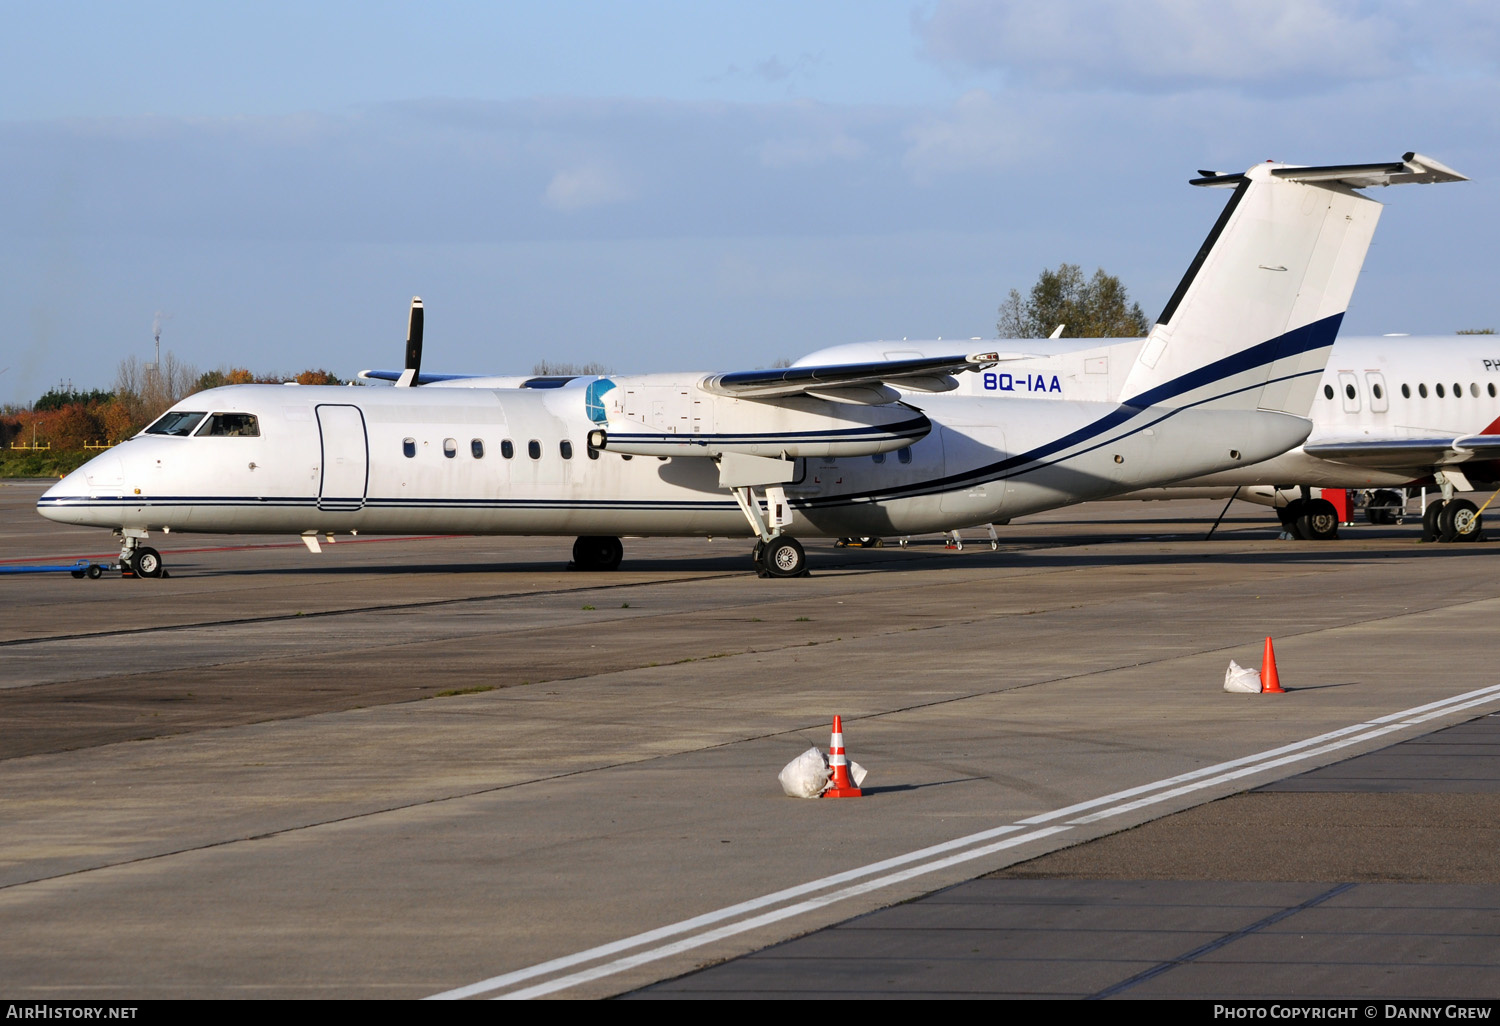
(70, 500)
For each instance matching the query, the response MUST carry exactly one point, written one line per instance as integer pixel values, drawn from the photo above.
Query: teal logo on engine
(593, 399)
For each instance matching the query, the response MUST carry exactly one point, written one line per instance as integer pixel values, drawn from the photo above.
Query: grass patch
(476, 689)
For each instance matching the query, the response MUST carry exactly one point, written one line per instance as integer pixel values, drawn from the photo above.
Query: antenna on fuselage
(413, 345)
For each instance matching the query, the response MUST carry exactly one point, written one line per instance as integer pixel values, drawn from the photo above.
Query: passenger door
(346, 458)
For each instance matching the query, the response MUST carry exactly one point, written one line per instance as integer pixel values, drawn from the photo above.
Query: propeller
(413, 344)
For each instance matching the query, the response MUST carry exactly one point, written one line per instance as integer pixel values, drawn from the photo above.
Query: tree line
(65, 425)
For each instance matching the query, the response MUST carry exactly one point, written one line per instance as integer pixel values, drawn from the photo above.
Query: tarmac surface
(451, 767)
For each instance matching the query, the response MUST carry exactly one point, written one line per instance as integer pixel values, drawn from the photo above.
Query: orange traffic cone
(838, 763)
(1270, 684)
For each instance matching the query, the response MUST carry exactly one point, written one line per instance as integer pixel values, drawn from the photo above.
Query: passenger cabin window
(1492, 390)
(230, 425)
(1474, 389)
(408, 447)
(1422, 390)
(879, 457)
(534, 449)
(593, 453)
(176, 422)
(450, 447)
(565, 447)
(507, 449)
(904, 454)
(1440, 392)
(1351, 393)
(1327, 391)
(476, 446)
(1406, 391)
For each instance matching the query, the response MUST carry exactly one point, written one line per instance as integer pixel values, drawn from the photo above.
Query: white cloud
(1164, 45)
(982, 132)
(582, 187)
(808, 150)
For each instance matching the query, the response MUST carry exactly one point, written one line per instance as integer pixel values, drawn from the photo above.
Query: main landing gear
(781, 556)
(1309, 519)
(597, 553)
(1451, 520)
(775, 554)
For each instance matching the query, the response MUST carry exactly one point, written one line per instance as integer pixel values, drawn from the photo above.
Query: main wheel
(783, 557)
(1459, 521)
(1319, 520)
(146, 562)
(1379, 511)
(1290, 516)
(1430, 519)
(598, 553)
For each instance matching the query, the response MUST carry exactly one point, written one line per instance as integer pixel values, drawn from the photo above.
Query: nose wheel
(146, 562)
(597, 553)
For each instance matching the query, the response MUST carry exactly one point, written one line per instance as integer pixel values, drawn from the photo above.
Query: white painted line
(688, 943)
(1115, 804)
(708, 918)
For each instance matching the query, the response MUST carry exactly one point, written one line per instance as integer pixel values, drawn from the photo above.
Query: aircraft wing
(1406, 452)
(857, 382)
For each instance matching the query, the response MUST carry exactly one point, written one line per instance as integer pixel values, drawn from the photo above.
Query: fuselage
(1374, 387)
(305, 459)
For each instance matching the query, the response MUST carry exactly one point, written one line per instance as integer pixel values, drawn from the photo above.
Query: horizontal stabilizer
(925, 374)
(1412, 168)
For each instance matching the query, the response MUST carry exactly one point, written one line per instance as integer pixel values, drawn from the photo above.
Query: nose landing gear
(137, 560)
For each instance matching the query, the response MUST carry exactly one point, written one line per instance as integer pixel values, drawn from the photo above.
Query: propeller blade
(414, 336)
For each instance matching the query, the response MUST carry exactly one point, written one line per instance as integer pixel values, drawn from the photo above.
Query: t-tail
(1252, 322)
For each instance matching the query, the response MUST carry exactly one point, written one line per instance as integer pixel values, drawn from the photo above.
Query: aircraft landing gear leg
(597, 553)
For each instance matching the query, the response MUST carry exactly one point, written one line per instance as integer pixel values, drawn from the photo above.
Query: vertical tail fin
(1251, 324)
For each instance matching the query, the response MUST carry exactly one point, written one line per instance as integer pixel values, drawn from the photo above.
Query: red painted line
(240, 548)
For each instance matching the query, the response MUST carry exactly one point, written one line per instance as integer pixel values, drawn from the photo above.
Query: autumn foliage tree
(67, 421)
(1097, 307)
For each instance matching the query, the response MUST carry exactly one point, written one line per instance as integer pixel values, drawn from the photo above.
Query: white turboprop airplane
(1392, 412)
(1225, 378)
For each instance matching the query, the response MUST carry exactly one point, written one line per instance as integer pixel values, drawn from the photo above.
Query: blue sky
(706, 186)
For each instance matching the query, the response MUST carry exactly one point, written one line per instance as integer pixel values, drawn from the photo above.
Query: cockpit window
(175, 422)
(231, 425)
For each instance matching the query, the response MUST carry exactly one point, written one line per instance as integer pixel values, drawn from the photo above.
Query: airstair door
(346, 458)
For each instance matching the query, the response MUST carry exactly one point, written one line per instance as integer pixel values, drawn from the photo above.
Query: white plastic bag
(1241, 680)
(857, 773)
(806, 776)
